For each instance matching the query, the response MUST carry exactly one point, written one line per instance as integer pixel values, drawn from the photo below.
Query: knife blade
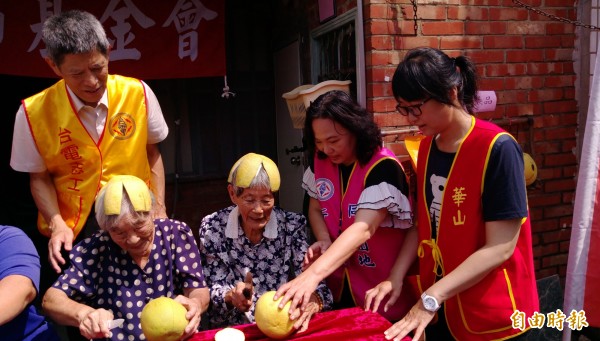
(111, 324)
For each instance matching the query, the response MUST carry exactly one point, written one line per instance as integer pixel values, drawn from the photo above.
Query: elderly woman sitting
(253, 247)
(130, 261)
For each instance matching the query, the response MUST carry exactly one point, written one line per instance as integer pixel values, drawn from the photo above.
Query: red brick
(496, 84)
(481, 2)
(482, 28)
(381, 11)
(542, 42)
(559, 159)
(412, 42)
(389, 119)
(525, 55)
(383, 42)
(556, 236)
(525, 28)
(500, 70)
(544, 200)
(468, 13)
(545, 68)
(485, 56)
(382, 58)
(502, 42)
(559, 54)
(380, 90)
(424, 12)
(558, 186)
(559, 28)
(382, 28)
(509, 97)
(461, 42)
(542, 95)
(554, 260)
(560, 107)
(384, 105)
(502, 14)
(378, 74)
(523, 82)
(443, 28)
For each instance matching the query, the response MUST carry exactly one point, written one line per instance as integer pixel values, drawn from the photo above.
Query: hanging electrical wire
(226, 93)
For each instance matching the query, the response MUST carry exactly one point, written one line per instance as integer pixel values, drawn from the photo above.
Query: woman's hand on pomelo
(298, 292)
(192, 315)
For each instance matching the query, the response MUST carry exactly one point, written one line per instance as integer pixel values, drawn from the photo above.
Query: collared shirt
(25, 156)
(227, 254)
(102, 275)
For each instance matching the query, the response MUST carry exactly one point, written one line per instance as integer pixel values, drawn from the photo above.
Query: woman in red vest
(475, 253)
(359, 209)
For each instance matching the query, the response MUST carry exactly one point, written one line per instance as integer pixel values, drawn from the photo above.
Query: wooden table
(353, 324)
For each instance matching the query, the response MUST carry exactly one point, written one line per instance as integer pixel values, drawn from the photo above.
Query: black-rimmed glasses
(414, 109)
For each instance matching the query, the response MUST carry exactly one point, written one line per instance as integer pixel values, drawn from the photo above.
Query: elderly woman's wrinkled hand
(192, 315)
(241, 294)
(305, 315)
(93, 323)
(314, 252)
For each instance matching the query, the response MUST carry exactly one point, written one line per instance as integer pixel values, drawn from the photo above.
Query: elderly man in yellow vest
(73, 136)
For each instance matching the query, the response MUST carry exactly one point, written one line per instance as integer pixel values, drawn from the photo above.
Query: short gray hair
(73, 32)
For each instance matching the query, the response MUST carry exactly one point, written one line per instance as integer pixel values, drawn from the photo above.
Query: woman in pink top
(359, 210)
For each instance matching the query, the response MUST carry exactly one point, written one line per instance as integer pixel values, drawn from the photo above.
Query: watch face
(430, 303)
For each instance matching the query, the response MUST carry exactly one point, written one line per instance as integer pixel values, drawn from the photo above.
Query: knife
(112, 324)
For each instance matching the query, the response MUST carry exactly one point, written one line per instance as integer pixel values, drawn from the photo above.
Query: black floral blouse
(227, 254)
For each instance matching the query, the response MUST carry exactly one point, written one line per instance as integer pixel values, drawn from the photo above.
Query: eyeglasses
(411, 109)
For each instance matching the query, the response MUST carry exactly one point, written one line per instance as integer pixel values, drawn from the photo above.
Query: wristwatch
(430, 303)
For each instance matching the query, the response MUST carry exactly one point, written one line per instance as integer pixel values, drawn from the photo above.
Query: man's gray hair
(73, 32)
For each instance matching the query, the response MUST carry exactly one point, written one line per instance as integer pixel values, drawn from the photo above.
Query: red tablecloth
(341, 325)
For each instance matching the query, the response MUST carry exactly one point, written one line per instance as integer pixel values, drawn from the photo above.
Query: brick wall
(527, 59)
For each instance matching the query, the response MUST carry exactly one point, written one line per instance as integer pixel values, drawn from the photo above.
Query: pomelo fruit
(230, 334)
(163, 319)
(272, 321)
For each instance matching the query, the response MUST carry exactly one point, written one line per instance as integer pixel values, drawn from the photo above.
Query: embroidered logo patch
(121, 126)
(324, 189)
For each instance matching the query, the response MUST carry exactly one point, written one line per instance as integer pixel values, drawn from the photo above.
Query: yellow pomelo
(230, 334)
(530, 169)
(163, 319)
(272, 321)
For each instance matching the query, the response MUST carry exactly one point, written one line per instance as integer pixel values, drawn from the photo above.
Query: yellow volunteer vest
(78, 166)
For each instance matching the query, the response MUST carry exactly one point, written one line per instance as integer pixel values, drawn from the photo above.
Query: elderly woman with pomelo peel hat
(253, 246)
(130, 261)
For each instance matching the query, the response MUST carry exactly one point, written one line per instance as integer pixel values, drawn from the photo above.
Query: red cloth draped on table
(345, 324)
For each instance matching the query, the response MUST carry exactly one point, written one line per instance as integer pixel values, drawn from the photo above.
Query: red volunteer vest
(482, 312)
(372, 262)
